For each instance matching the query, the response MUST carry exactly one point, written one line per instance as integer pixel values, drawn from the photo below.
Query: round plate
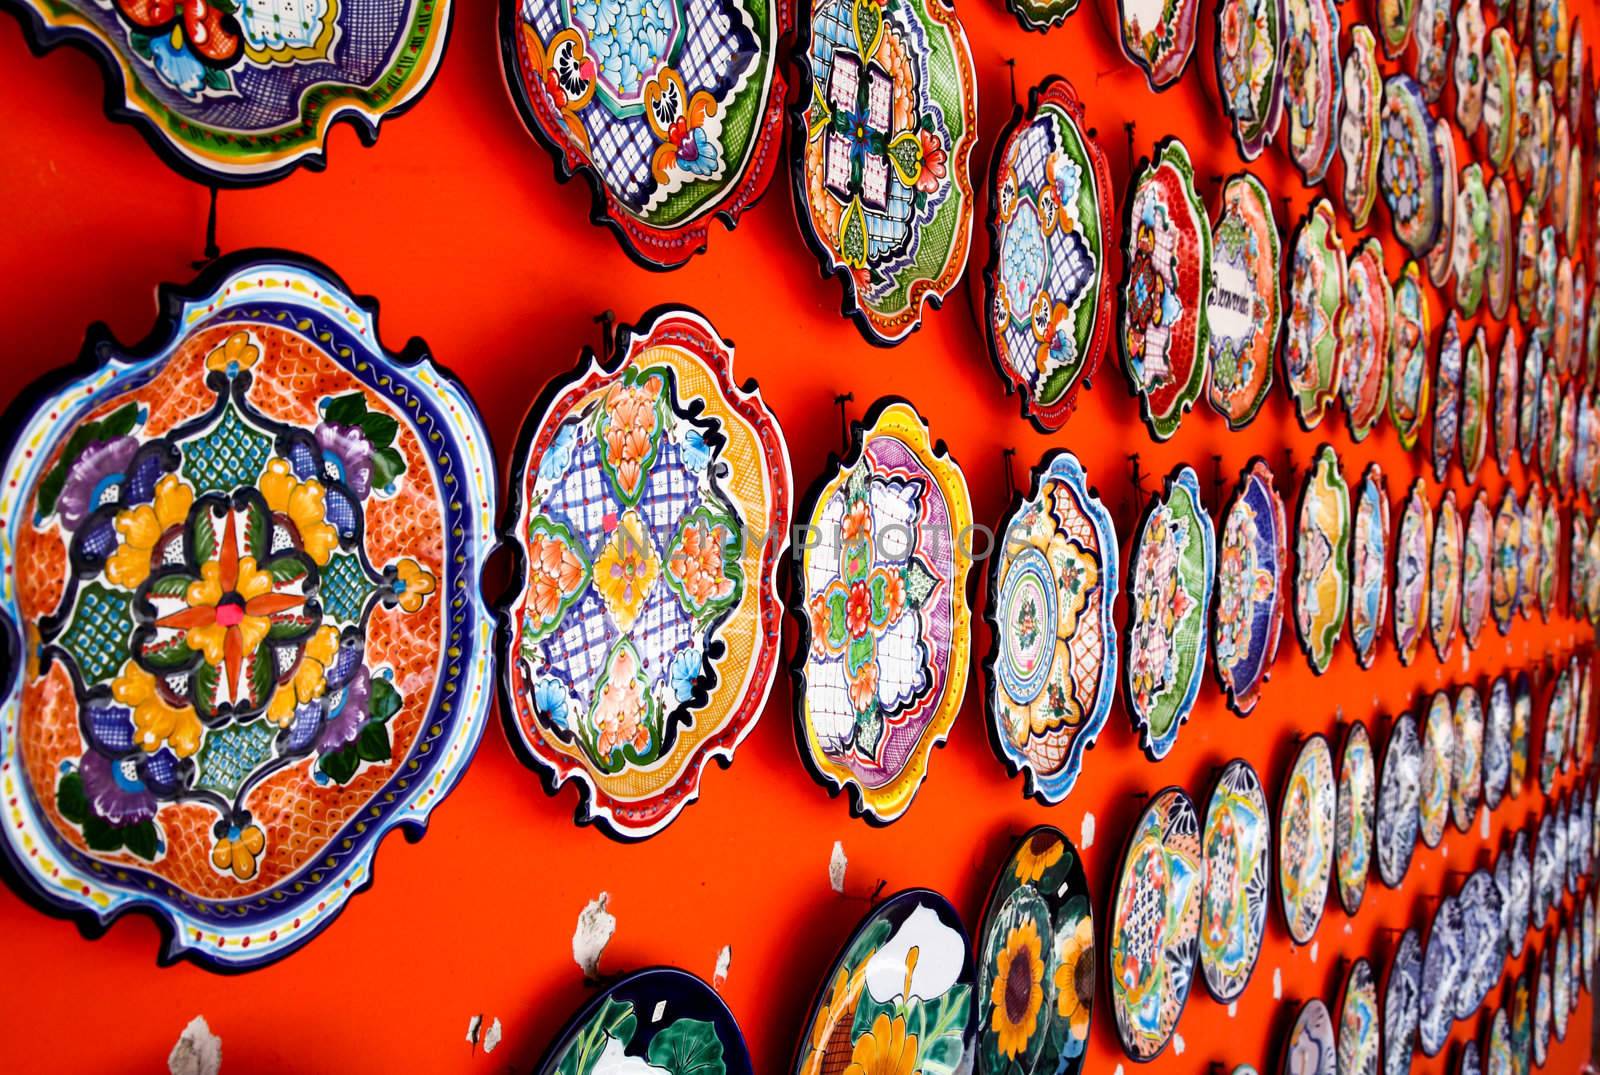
(1441, 257)
(650, 1020)
(1544, 294)
(1365, 322)
(1501, 255)
(1435, 38)
(1359, 136)
(1322, 558)
(1468, 1062)
(1312, 88)
(1447, 398)
(1048, 694)
(1483, 940)
(1249, 54)
(1410, 170)
(1412, 561)
(1561, 988)
(1354, 820)
(1245, 309)
(1394, 19)
(1358, 1021)
(1513, 876)
(1477, 383)
(1466, 782)
(1444, 967)
(1468, 67)
(1316, 292)
(1411, 337)
(881, 667)
(1155, 923)
(1499, 102)
(1477, 553)
(1497, 743)
(1505, 401)
(1522, 1014)
(1556, 716)
(1312, 1047)
(1559, 311)
(1306, 824)
(639, 562)
(1161, 51)
(1578, 567)
(1237, 846)
(1548, 866)
(1541, 159)
(1369, 564)
(1402, 993)
(1399, 793)
(237, 599)
(1527, 93)
(1444, 577)
(1253, 556)
(1438, 754)
(1041, 15)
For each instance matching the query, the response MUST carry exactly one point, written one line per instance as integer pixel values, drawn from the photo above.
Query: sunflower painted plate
(1245, 309)
(1354, 823)
(1306, 832)
(1237, 845)
(1253, 557)
(656, 1020)
(1317, 272)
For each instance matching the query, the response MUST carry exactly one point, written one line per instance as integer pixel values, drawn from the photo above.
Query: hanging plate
(1155, 923)
(1312, 88)
(236, 589)
(1322, 558)
(1444, 963)
(1358, 1021)
(1041, 15)
(1513, 876)
(1444, 577)
(1576, 75)
(880, 151)
(1532, 545)
(1046, 285)
(1551, 38)
(1547, 865)
(1542, 1004)
(1560, 309)
(1237, 846)
(1410, 170)
(1522, 1014)
(1412, 561)
(1354, 824)
(1317, 273)
(1561, 988)
(1359, 134)
(1161, 313)
(1311, 1048)
(1252, 559)
(1501, 255)
(1244, 311)
(880, 669)
(1434, 41)
(1497, 743)
(1441, 257)
(650, 502)
(1527, 277)
(1468, 69)
(1528, 400)
(1521, 723)
(1497, 1055)
(1049, 691)
(1306, 826)
(1578, 567)
(1249, 53)
(1566, 443)
(1527, 95)
(1544, 294)
(1395, 19)
(1365, 322)
(1402, 991)
(1447, 398)
(1477, 556)
(1157, 38)
(1505, 573)
(1412, 333)
(1540, 141)
(1470, 256)
(1466, 780)
(1438, 755)
(1499, 102)
(1484, 940)
(1560, 158)
(1549, 423)
(1369, 564)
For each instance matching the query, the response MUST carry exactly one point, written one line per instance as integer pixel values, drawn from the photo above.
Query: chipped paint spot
(836, 867)
(1086, 832)
(1233, 1009)
(1348, 929)
(1277, 983)
(474, 1026)
(589, 940)
(1313, 951)
(492, 1038)
(1483, 824)
(197, 1052)
(719, 977)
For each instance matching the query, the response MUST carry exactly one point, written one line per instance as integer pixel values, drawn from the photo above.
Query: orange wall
(454, 222)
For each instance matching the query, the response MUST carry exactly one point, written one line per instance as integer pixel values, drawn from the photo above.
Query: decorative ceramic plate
(1434, 41)
(1245, 309)
(1444, 577)
(1312, 87)
(1402, 992)
(1528, 402)
(1410, 173)
(1237, 847)
(1399, 791)
(228, 555)
(1470, 255)
(1545, 292)
(1048, 296)
(1041, 15)
(1506, 392)
(1306, 824)
(1566, 447)
(1036, 971)
(1521, 722)
(1555, 730)
(236, 97)
(1369, 564)
(673, 115)
(1438, 754)
(1444, 966)
(1527, 277)
(1171, 568)
(1522, 1015)
(1365, 322)
(1161, 322)
(1468, 67)
(1322, 558)
(1477, 554)
(1410, 336)
(1499, 102)
(640, 638)
(1158, 38)
(1049, 693)
(1542, 1010)
(1532, 526)
(1549, 556)
(1547, 866)
(1497, 743)
(1358, 1021)
(1501, 257)
(1155, 923)
(1549, 405)
(1572, 200)
(1497, 1056)
(1542, 138)
(1312, 1047)
(881, 667)
(1252, 559)
(1578, 567)
(1560, 158)
(1527, 93)
(1394, 19)
(1559, 308)
(1316, 292)
(1412, 560)
(880, 152)
(656, 1020)
(1561, 988)
(1354, 823)
(1468, 1060)
(1513, 873)
(1447, 398)
(1466, 779)
(1576, 85)
(1550, 36)
(1441, 258)
(1359, 135)
(1249, 53)
(906, 965)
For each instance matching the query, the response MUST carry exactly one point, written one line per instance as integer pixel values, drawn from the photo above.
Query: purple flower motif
(114, 790)
(348, 449)
(342, 727)
(101, 464)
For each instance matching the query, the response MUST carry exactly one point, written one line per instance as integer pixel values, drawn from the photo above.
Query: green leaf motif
(380, 429)
(141, 839)
(383, 701)
(346, 410)
(688, 1047)
(70, 798)
(341, 765)
(175, 585)
(257, 530)
(387, 467)
(373, 742)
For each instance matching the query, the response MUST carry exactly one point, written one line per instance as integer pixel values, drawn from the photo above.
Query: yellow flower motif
(886, 1049)
(1037, 856)
(154, 720)
(626, 570)
(141, 528)
(830, 1031)
(1017, 994)
(239, 850)
(310, 679)
(233, 354)
(303, 503)
(1074, 979)
(207, 592)
(413, 583)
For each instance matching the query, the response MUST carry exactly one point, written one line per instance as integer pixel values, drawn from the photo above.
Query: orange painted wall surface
(454, 222)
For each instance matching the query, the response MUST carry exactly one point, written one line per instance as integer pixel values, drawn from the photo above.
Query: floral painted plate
(1441, 258)
(1322, 558)
(1499, 101)
(1549, 423)
(1521, 726)
(1245, 308)
(1532, 546)
(641, 569)
(1468, 69)
(1470, 255)
(1501, 256)
(1399, 790)
(1578, 568)
(1561, 984)
(1049, 691)
(1369, 564)
(1354, 824)
(1365, 322)
(1527, 278)
(1434, 41)
(1312, 1047)
(881, 668)
(1438, 755)
(1528, 400)
(1237, 846)
(1466, 780)
(237, 590)
(880, 152)
(1410, 171)
(1444, 577)
(1544, 300)
(668, 138)
(1477, 556)
(1171, 568)
(239, 97)
(1306, 831)
(1484, 940)
(1155, 923)
(1359, 134)
(656, 1020)
(1550, 38)
(1253, 556)
(1548, 863)
(1542, 1003)
(1312, 86)
(1249, 53)
(1562, 353)
(1166, 284)
(1505, 573)
(1522, 1013)
(1157, 37)
(1359, 1051)
(1527, 94)
(1046, 285)
(1444, 965)
(1411, 375)
(1447, 398)
(1317, 273)
(1513, 876)
(1036, 947)
(1541, 142)
(1497, 743)
(1412, 563)
(1402, 992)
(1497, 1056)
(907, 965)
(1394, 20)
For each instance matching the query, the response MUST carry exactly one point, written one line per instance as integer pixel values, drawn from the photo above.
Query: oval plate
(1438, 755)
(1306, 826)
(1477, 554)
(1399, 791)
(1245, 308)
(1412, 563)
(1402, 991)
(1317, 272)
(1369, 564)
(1358, 1021)
(1237, 847)
(1466, 779)
(1312, 1047)
(1447, 398)
(1253, 557)
(1322, 558)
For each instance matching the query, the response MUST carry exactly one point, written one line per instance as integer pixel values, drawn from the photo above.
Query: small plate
(1435, 39)
(1447, 398)
(1412, 562)
(1369, 564)
(1253, 557)
(1506, 392)
(1306, 823)
(1249, 55)
(1359, 1014)
(1322, 558)
(1513, 876)
(1312, 88)
(1468, 67)
(1410, 170)
(1483, 940)
(1469, 257)
(1497, 743)
(1237, 845)
(1521, 721)
(1444, 970)
(1359, 135)
(1532, 547)
(1441, 256)
(1398, 817)
(1499, 100)
(1317, 271)
(1161, 52)
(1501, 255)
(1466, 779)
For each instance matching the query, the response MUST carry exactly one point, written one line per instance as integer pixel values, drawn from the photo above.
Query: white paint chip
(1348, 929)
(1483, 824)
(1118, 1071)
(493, 1036)
(1233, 1009)
(837, 864)
(474, 1025)
(719, 977)
(1277, 983)
(659, 1012)
(1177, 1043)
(1086, 832)
(197, 1052)
(1313, 951)
(589, 940)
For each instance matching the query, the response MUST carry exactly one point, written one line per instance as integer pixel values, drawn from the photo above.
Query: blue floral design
(559, 457)
(627, 38)
(550, 697)
(685, 670)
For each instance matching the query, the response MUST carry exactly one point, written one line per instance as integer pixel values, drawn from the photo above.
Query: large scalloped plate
(1359, 137)
(1412, 563)
(880, 668)
(1048, 283)
(1322, 558)
(238, 102)
(1237, 845)
(1249, 55)
(1411, 376)
(1307, 820)
(1245, 309)
(1312, 87)
(1366, 321)
(1252, 562)
(649, 505)
(1410, 170)
(1317, 270)
(267, 519)
(1369, 564)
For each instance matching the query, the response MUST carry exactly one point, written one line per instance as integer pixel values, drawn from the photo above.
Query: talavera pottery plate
(650, 505)
(1484, 943)
(1322, 558)
(1357, 807)
(1394, 19)
(1237, 846)
(1312, 88)
(1505, 573)
(1438, 755)
(1513, 876)
(1444, 964)
(881, 666)
(1507, 378)
(1466, 780)
(1250, 65)
(1444, 577)
(1316, 273)
(1171, 570)
(656, 1020)
(1049, 691)
(1365, 322)
(1307, 817)
(1441, 258)
(1312, 1047)
(1359, 1017)
(1369, 564)
(1410, 171)
(1155, 923)
(1447, 398)
(1359, 135)
(1561, 987)
(1468, 67)
(1399, 789)
(1413, 561)
(671, 111)
(1411, 337)
(1251, 562)
(1402, 997)
(243, 597)
(1047, 285)
(1041, 15)
(1036, 952)
(1245, 309)
(1497, 1055)
(1499, 100)
(1476, 386)
(880, 151)
(1543, 1004)
(1156, 37)
(1477, 553)
(1435, 35)
(1497, 743)
(1521, 723)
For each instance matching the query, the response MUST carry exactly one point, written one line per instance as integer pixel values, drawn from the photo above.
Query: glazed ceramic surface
(1397, 818)
(1394, 19)
(1444, 577)
(1497, 743)
(1499, 101)
(1369, 564)
(1244, 312)
(1447, 398)
(1402, 992)
(1501, 260)
(1412, 562)
(1312, 87)
(1561, 987)
(1483, 940)
(1466, 780)
(1467, 68)
(1513, 876)
(1438, 755)
(1532, 546)
(1497, 1056)
(1312, 1047)
(1477, 553)
(1354, 822)
(1359, 1018)
(1470, 254)
(1410, 172)
(1252, 562)
(1434, 41)
(1359, 135)
(1506, 386)
(1521, 721)
(1250, 60)
(1316, 292)
(1542, 1005)
(1411, 368)
(1505, 575)
(1322, 558)
(1041, 15)
(1237, 847)
(1528, 399)
(1444, 963)
(1366, 321)
(1158, 37)
(1441, 257)
(1306, 829)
